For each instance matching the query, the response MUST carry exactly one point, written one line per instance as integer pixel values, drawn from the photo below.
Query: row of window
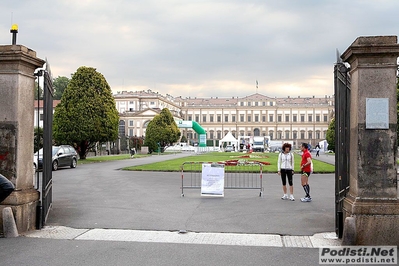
(256, 118)
(280, 135)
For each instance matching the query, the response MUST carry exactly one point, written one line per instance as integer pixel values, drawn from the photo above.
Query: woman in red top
(306, 170)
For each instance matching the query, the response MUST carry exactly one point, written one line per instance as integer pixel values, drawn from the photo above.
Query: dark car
(64, 155)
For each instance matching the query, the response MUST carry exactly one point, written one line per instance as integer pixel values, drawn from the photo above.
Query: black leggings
(286, 173)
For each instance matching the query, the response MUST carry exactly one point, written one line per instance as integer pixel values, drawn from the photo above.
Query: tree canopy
(330, 136)
(59, 84)
(87, 112)
(161, 130)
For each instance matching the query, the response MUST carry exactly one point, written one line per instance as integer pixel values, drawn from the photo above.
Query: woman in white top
(286, 170)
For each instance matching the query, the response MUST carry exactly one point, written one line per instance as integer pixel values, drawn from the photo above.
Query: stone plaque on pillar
(377, 113)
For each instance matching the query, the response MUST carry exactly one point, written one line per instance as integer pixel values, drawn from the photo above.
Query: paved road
(138, 216)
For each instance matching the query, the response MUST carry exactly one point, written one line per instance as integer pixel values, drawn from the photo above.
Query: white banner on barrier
(212, 182)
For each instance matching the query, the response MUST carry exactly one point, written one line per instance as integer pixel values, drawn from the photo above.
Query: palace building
(294, 119)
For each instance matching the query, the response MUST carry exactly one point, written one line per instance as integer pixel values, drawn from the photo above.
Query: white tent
(230, 140)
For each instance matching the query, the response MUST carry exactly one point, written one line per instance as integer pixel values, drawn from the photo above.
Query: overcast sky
(199, 48)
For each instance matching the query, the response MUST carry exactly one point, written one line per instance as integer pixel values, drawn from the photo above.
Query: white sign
(212, 183)
(185, 124)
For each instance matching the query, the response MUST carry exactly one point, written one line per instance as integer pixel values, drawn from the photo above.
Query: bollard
(9, 225)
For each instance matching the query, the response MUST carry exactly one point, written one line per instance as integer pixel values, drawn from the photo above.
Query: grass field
(175, 164)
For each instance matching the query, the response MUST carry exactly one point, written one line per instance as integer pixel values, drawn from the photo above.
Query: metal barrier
(237, 175)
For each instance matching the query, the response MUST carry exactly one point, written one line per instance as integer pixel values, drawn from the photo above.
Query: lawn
(99, 159)
(268, 158)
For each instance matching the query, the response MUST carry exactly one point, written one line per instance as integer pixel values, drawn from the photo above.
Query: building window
(241, 103)
(278, 118)
(310, 135)
(264, 103)
(41, 117)
(219, 134)
(256, 118)
(263, 118)
(131, 109)
(294, 135)
(302, 118)
(204, 118)
(233, 118)
(152, 103)
(271, 135)
(325, 118)
(211, 118)
(241, 118)
(219, 118)
(197, 118)
(302, 134)
(287, 134)
(131, 123)
(317, 134)
(131, 102)
(211, 134)
(310, 118)
(287, 118)
(190, 118)
(249, 118)
(271, 103)
(249, 103)
(279, 135)
(256, 103)
(317, 118)
(270, 118)
(294, 118)
(226, 118)
(130, 132)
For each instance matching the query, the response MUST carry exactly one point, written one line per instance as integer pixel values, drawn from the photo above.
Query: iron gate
(342, 140)
(46, 182)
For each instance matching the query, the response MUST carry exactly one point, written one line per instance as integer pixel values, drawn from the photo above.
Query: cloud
(199, 48)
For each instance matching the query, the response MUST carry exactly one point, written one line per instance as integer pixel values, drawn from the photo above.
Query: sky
(199, 48)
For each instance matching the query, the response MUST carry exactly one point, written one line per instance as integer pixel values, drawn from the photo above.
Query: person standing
(6, 187)
(285, 169)
(306, 169)
(317, 150)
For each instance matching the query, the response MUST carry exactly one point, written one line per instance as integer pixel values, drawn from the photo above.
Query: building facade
(294, 119)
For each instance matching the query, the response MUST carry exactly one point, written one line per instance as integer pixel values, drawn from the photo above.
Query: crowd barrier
(237, 175)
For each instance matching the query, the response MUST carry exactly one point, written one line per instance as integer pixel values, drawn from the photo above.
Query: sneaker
(292, 198)
(306, 199)
(284, 197)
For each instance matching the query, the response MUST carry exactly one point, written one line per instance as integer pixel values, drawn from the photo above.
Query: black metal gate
(342, 140)
(46, 188)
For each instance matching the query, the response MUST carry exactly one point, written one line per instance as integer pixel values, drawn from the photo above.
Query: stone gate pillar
(17, 83)
(372, 201)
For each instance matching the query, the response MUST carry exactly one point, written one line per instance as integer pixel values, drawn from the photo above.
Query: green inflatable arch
(197, 128)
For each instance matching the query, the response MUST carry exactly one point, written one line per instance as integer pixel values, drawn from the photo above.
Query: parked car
(64, 155)
(229, 148)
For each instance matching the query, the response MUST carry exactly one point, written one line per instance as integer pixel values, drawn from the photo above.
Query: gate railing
(342, 140)
(45, 185)
(237, 175)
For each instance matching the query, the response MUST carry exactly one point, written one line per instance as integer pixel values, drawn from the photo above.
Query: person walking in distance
(306, 169)
(285, 169)
(317, 150)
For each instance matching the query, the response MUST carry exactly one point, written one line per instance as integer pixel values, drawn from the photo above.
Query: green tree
(183, 139)
(38, 91)
(38, 138)
(330, 137)
(59, 85)
(161, 130)
(87, 112)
